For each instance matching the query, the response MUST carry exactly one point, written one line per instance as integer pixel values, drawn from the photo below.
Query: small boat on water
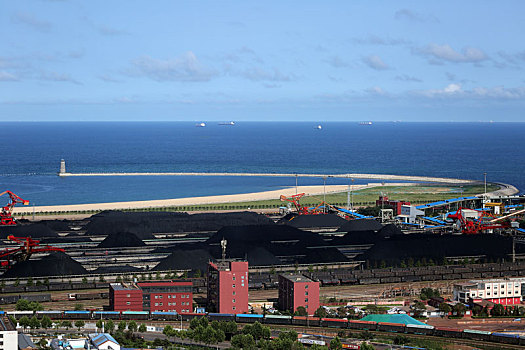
(228, 123)
(365, 123)
(200, 125)
(319, 127)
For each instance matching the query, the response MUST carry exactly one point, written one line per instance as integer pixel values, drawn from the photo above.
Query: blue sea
(32, 152)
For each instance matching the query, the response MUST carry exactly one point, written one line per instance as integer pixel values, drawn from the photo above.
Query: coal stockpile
(121, 239)
(312, 221)
(256, 256)
(182, 259)
(367, 237)
(360, 225)
(143, 224)
(57, 225)
(436, 247)
(28, 230)
(116, 269)
(323, 255)
(54, 264)
(263, 234)
(288, 244)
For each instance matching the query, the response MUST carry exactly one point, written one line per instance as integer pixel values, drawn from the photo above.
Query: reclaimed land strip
(354, 176)
(232, 198)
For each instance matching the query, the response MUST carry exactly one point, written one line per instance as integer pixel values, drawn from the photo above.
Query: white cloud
(6, 76)
(406, 14)
(456, 91)
(376, 90)
(183, 68)
(31, 21)
(405, 77)
(439, 53)
(58, 77)
(261, 74)
(337, 62)
(375, 62)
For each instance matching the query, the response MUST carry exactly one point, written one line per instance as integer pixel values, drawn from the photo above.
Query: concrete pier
(347, 176)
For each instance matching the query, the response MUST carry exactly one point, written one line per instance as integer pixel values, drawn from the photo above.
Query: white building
(505, 291)
(409, 213)
(8, 335)
(103, 341)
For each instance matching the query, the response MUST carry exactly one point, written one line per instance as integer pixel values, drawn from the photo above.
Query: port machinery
(26, 247)
(6, 216)
(485, 221)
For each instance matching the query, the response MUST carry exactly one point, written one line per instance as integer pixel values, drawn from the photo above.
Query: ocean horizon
(33, 150)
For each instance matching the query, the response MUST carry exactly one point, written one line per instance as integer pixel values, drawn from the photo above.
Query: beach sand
(232, 198)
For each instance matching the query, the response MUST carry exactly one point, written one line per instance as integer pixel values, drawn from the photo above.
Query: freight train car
(134, 315)
(334, 323)
(106, 315)
(362, 325)
(476, 335)
(419, 329)
(54, 315)
(249, 318)
(277, 319)
(77, 315)
(391, 327)
(164, 316)
(306, 321)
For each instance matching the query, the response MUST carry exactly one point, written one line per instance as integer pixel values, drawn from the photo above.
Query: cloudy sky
(262, 60)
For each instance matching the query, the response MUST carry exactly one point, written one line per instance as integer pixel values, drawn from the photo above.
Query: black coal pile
(288, 244)
(360, 225)
(121, 239)
(67, 239)
(116, 269)
(256, 256)
(144, 224)
(182, 259)
(29, 230)
(436, 247)
(312, 221)
(57, 225)
(367, 237)
(323, 255)
(54, 264)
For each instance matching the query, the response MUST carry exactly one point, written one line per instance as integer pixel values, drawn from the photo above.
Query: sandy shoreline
(232, 198)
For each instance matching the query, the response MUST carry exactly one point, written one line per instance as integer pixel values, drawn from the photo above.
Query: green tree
(109, 326)
(366, 346)
(459, 309)
(84, 280)
(99, 325)
(29, 281)
(401, 340)
(79, 307)
(497, 310)
(101, 279)
(79, 324)
(320, 312)
(24, 322)
(445, 308)
(22, 305)
(46, 322)
(66, 324)
(142, 328)
(419, 308)
(17, 282)
(301, 311)
(122, 326)
(336, 344)
(197, 274)
(132, 326)
(34, 323)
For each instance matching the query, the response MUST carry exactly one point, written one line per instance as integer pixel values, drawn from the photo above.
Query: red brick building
(384, 201)
(298, 290)
(152, 296)
(228, 287)
(125, 297)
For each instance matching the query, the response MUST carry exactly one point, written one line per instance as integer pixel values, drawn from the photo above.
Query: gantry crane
(27, 247)
(483, 223)
(6, 216)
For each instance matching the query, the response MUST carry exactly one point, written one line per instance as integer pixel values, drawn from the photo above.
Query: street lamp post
(485, 193)
(352, 195)
(348, 196)
(296, 183)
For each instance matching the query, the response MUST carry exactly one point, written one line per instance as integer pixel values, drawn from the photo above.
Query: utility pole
(348, 196)
(324, 194)
(352, 195)
(485, 193)
(296, 183)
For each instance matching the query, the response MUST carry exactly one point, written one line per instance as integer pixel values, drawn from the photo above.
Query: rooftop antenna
(223, 246)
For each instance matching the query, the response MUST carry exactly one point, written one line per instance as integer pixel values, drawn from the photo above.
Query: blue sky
(253, 60)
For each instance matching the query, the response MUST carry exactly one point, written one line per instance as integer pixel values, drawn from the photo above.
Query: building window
(306, 287)
(128, 295)
(305, 300)
(160, 304)
(233, 286)
(156, 304)
(233, 300)
(305, 293)
(233, 292)
(128, 303)
(169, 296)
(233, 278)
(233, 308)
(160, 296)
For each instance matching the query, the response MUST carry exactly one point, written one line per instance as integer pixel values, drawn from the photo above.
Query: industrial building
(505, 291)
(228, 287)
(296, 291)
(8, 335)
(383, 201)
(164, 296)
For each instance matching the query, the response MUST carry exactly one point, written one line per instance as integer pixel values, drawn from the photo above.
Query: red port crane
(295, 200)
(27, 247)
(6, 217)
(477, 225)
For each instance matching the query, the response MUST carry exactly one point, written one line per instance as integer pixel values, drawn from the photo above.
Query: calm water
(32, 153)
